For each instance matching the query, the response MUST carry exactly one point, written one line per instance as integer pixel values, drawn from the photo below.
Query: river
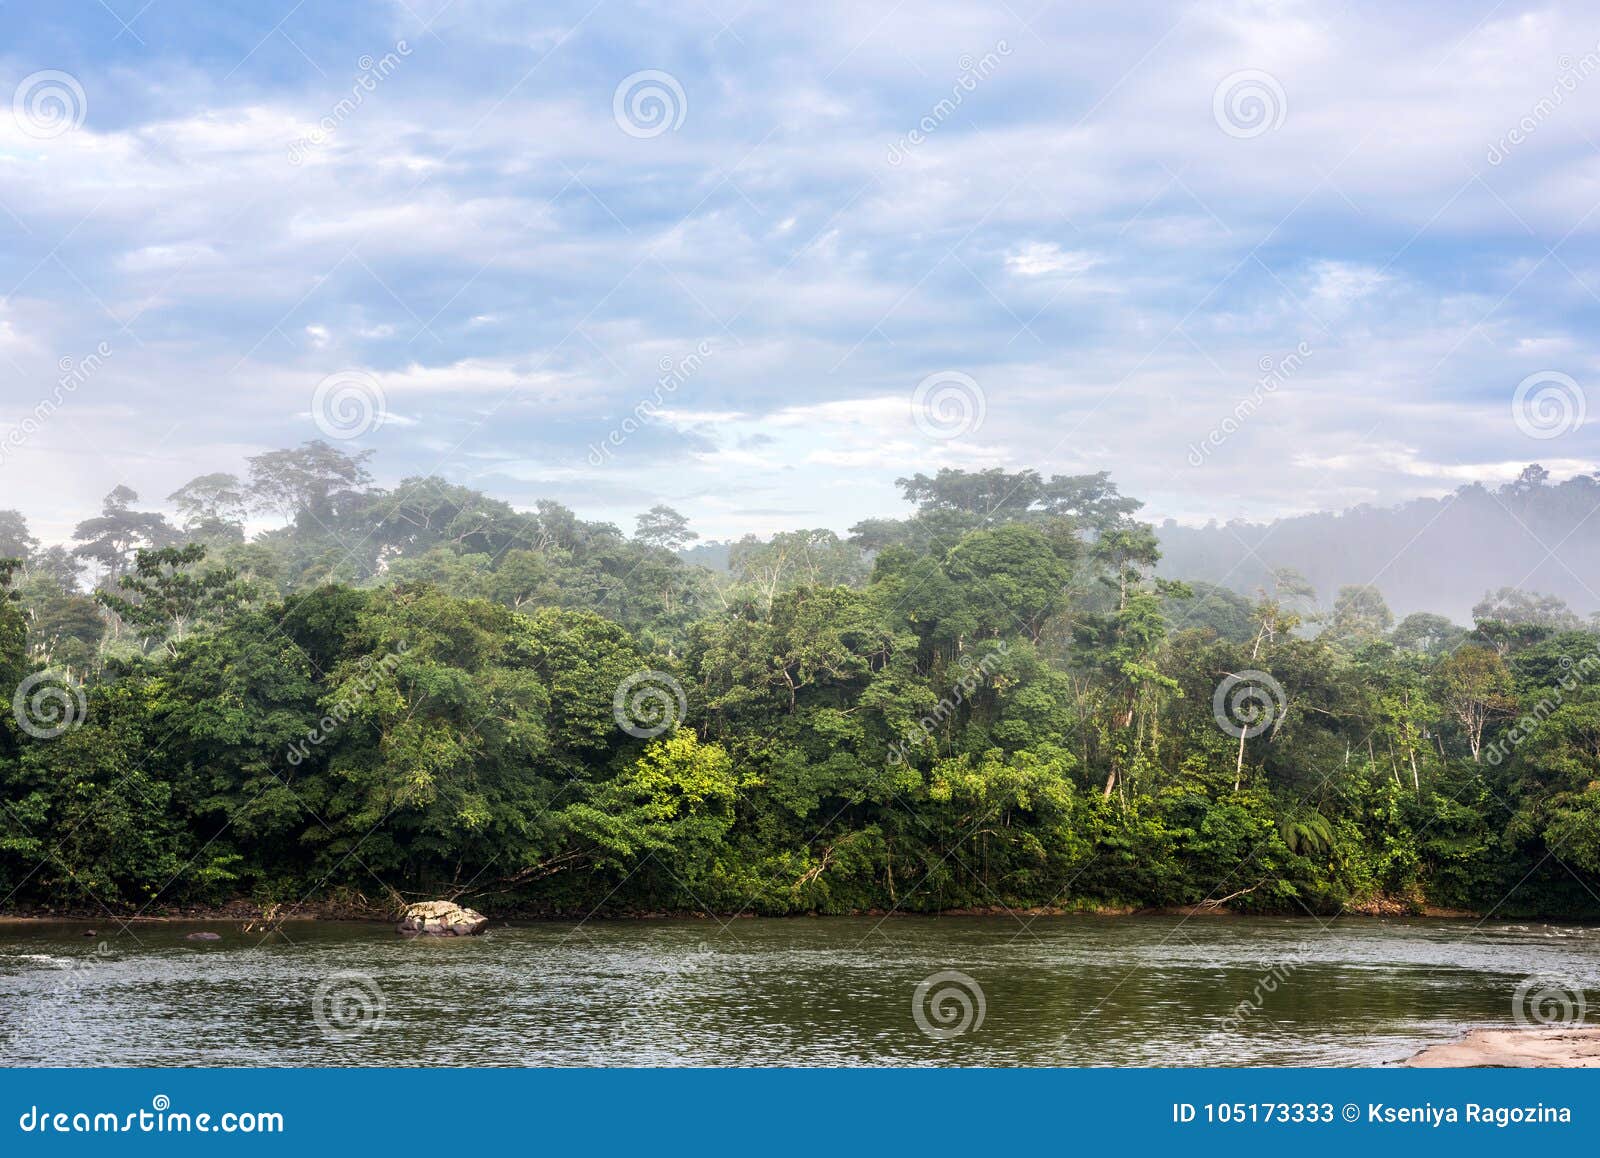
(1068, 991)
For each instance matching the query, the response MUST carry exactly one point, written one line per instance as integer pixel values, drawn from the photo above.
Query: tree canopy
(1000, 699)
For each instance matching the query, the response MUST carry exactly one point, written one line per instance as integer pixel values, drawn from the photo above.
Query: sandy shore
(1563, 1048)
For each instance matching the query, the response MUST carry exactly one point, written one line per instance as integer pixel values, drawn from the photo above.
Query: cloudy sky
(866, 238)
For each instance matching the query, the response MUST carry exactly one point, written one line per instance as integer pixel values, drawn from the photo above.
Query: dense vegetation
(1431, 553)
(423, 692)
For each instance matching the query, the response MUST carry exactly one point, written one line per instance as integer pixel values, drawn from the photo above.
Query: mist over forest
(1450, 556)
(1441, 555)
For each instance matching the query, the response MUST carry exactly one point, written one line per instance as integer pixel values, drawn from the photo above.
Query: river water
(837, 991)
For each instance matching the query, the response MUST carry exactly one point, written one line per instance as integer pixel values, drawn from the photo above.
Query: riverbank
(246, 911)
(1562, 1047)
(252, 912)
(352, 906)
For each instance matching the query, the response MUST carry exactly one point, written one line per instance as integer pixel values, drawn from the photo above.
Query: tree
(213, 507)
(1127, 554)
(424, 513)
(998, 496)
(64, 628)
(306, 480)
(663, 527)
(168, 599)
(1518, 608)
(794, 558)
(1473, 685)
(1225, 612)
(1428, 633)
(59, 566)
(13, 630)
(1360, 615)
(107, 541)
(16, 542)
(675, 801)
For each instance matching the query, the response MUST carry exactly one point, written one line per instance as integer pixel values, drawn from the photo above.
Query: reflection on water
(1061, 991)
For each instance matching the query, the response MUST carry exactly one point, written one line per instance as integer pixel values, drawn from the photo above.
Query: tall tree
(16, 542)
(110, 540)
(213, 507)
(304, 481)
(1518, 608)
(1360, 616)
(661, 526)
(1474, 686)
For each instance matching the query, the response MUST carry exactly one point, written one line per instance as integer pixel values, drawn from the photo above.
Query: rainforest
(997, 702)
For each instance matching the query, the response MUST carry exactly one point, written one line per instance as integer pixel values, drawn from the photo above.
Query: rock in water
(204, 937)
(441, 919)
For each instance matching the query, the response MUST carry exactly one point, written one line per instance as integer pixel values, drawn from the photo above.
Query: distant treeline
(995, 701)
(1436, 555)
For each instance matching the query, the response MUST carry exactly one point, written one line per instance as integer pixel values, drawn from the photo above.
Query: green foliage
(991, 703)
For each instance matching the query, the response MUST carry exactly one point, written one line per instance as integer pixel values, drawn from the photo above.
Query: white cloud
(1040, 259)
(513, 267)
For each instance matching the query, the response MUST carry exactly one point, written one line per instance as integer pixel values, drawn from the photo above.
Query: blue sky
(1059, 214)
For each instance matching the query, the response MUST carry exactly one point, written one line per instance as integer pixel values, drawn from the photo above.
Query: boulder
(441, 919)
(203, 937)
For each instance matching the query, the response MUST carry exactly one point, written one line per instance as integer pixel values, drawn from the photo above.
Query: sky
(758, 261)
